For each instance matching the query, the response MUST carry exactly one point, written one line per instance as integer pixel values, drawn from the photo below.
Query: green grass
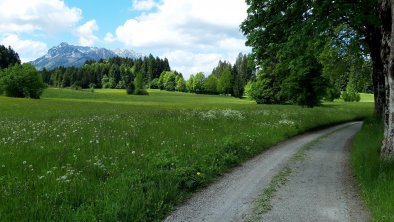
(264, 200)
(375, 176)
(365, 97)
(82, 156)
(157, 98)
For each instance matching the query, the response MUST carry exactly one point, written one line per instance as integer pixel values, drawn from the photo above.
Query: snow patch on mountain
(69, 55)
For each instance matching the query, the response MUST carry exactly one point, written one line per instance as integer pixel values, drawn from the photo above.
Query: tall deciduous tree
(139, 85)
(224, 81)
(198, 82)
(211, 84)
(387, 55)
(270, 25)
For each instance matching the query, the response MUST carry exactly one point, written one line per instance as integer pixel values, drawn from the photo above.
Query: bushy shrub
(248, 89)
(121, 85)
(75, 87)
(139, 85)
(130, 88)
(22, 81)
(141, 92)
(350, 96)
(92, 86)
(332, 93)
(154, 84)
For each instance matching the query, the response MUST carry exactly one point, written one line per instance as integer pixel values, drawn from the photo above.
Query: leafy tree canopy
(21, 81)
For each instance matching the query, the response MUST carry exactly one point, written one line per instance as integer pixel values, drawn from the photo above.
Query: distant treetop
(8, 57)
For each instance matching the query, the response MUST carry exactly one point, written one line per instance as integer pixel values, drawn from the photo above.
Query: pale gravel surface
(231, 198)
(322, 186)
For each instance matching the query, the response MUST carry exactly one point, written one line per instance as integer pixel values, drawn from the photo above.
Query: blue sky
(193, 34)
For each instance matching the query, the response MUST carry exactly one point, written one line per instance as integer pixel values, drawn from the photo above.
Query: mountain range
(69, 55)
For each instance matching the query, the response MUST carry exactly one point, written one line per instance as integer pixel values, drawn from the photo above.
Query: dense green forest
(113, 73)
(156, 73)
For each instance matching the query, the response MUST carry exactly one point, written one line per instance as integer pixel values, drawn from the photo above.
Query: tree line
(116, 72)
(225, 79)
(135, 75)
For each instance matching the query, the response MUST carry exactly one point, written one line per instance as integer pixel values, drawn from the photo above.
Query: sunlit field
(104, 155)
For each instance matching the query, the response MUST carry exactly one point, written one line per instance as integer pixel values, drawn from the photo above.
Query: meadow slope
(78, 155)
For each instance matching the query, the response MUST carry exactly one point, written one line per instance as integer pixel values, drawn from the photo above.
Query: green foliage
(350, 96)
(189, 84)
(8, 57)
(113, 73)
(198, 83)
(332, 93)
(242, 72)
(168, 81)
(75, 87)
(139, 85)
(112, 157)
(107, 82)
(180, 84)
(121, 85)
(130, 89)
(344, 62)
(21, 81)
(305, 86)
(220, 68)
(224, 81)
(375, 176)
(248, 89)
(211, 84)
(288, 37)
(154, 84)
(266, 89)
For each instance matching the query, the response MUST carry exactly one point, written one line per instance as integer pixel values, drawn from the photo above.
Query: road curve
(232, 197)
(321, 188)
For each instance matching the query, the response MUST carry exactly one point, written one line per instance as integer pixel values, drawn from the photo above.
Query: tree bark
(373, 40)
(387, 55)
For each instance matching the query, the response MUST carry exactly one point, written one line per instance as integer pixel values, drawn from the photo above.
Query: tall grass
(375, 176)
(83, 156)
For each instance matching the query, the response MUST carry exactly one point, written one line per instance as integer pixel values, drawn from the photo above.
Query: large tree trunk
(387, 55)
(373, 40)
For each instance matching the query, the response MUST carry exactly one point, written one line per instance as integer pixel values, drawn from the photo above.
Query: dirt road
(321, 188)
(315, 191)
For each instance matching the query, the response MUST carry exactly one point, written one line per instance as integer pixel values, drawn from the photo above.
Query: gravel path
(321, 188)
(232, 197)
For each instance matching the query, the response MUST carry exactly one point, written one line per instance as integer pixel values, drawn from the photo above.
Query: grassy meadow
(375, 176)
(104, 155)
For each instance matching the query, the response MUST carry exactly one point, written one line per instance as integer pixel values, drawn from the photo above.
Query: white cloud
(143, 5)
(37, 15)
(189, 63)
(86, 33)
(109, 38)
(185, 23)
(182, 28)
(29, 48)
